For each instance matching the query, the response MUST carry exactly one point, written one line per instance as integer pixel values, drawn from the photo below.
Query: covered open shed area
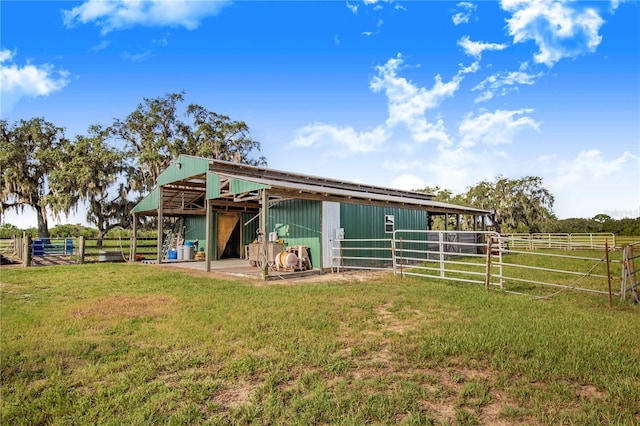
(276, 221)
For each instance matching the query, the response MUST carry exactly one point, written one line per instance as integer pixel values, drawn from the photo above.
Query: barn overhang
(189, 182)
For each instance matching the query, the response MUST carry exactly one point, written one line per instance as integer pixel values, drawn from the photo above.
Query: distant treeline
(600, 223)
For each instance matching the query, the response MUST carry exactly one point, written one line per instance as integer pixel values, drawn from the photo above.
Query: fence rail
(630, 270)
(560, 241)
(509, 263)
(79, 249)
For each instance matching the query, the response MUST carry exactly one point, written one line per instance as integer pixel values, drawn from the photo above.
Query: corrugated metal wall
(195, 229)
(368, 222)
(361, 221)
(298, 223)
(249, 231)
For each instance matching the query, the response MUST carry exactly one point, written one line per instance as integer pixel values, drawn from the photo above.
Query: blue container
(189, 243)
(173, 254)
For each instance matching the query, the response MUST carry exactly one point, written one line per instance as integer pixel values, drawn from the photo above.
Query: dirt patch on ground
(235, 396)
(125, 307)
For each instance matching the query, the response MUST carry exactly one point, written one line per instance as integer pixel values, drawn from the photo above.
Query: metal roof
(237, 186)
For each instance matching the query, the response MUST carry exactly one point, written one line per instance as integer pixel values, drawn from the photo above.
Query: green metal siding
(249, 231)
(362, 221)
(148, 203)
(298, 223)
(213, 186)
(239, 186)
(367, 222)
(195, 228)
(189, 166)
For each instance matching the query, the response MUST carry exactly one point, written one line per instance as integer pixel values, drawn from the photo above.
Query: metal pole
(209, 237)
(263, 230)
(401, 274)
(160, 220)
(606, 249)
(487, 279)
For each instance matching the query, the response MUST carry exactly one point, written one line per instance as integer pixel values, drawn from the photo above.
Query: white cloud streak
(558, 29)
(27, 81)
(123, 14)
(503, 83)
(463, 16)
(591, 184)
(493, 128)
(475, 48)
(340, 141)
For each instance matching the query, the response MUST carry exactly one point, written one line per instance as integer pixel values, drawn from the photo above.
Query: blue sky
(394, 93)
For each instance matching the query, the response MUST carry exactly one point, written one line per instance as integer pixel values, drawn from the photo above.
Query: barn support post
(209, 237)
(263, 234)
(160, 220)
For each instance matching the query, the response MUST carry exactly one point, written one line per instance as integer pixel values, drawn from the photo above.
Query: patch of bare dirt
(235, 396)
(125, 307)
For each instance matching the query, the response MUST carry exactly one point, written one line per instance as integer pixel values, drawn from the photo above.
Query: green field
(138, 344)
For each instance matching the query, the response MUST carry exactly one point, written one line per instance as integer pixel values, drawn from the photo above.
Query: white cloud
(493, 128)
(590, 166)
(559, 30)
(463, 16)
(122, 14)
(591, 184)
(408, 182)
(100, 46)
(407, 103)
(503, 83)
(341, 141)
(137, 57)
(475, 48)
(352, 7)
(27, 81)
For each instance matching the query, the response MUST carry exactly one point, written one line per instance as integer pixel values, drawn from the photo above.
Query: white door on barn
(330, 225)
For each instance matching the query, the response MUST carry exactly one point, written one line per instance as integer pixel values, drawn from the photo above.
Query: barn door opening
(228, 236)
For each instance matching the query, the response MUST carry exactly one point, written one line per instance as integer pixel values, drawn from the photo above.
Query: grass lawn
(135, 344)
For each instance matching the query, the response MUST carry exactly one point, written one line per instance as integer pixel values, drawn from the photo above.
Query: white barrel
(180, 251)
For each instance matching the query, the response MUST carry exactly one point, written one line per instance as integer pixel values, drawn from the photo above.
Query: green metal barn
(218, 207)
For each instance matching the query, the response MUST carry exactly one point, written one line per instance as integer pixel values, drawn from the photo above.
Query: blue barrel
(173, 254)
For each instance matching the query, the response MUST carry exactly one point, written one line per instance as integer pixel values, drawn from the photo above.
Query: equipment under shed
(210, 210)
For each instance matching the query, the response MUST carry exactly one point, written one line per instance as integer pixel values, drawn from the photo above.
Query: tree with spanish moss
(91, 170)
(27, 151)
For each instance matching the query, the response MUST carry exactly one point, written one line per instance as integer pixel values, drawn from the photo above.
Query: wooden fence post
(26, 251)
(81, 245)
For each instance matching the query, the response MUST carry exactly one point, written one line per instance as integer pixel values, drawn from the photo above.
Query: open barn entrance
(229, 236)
